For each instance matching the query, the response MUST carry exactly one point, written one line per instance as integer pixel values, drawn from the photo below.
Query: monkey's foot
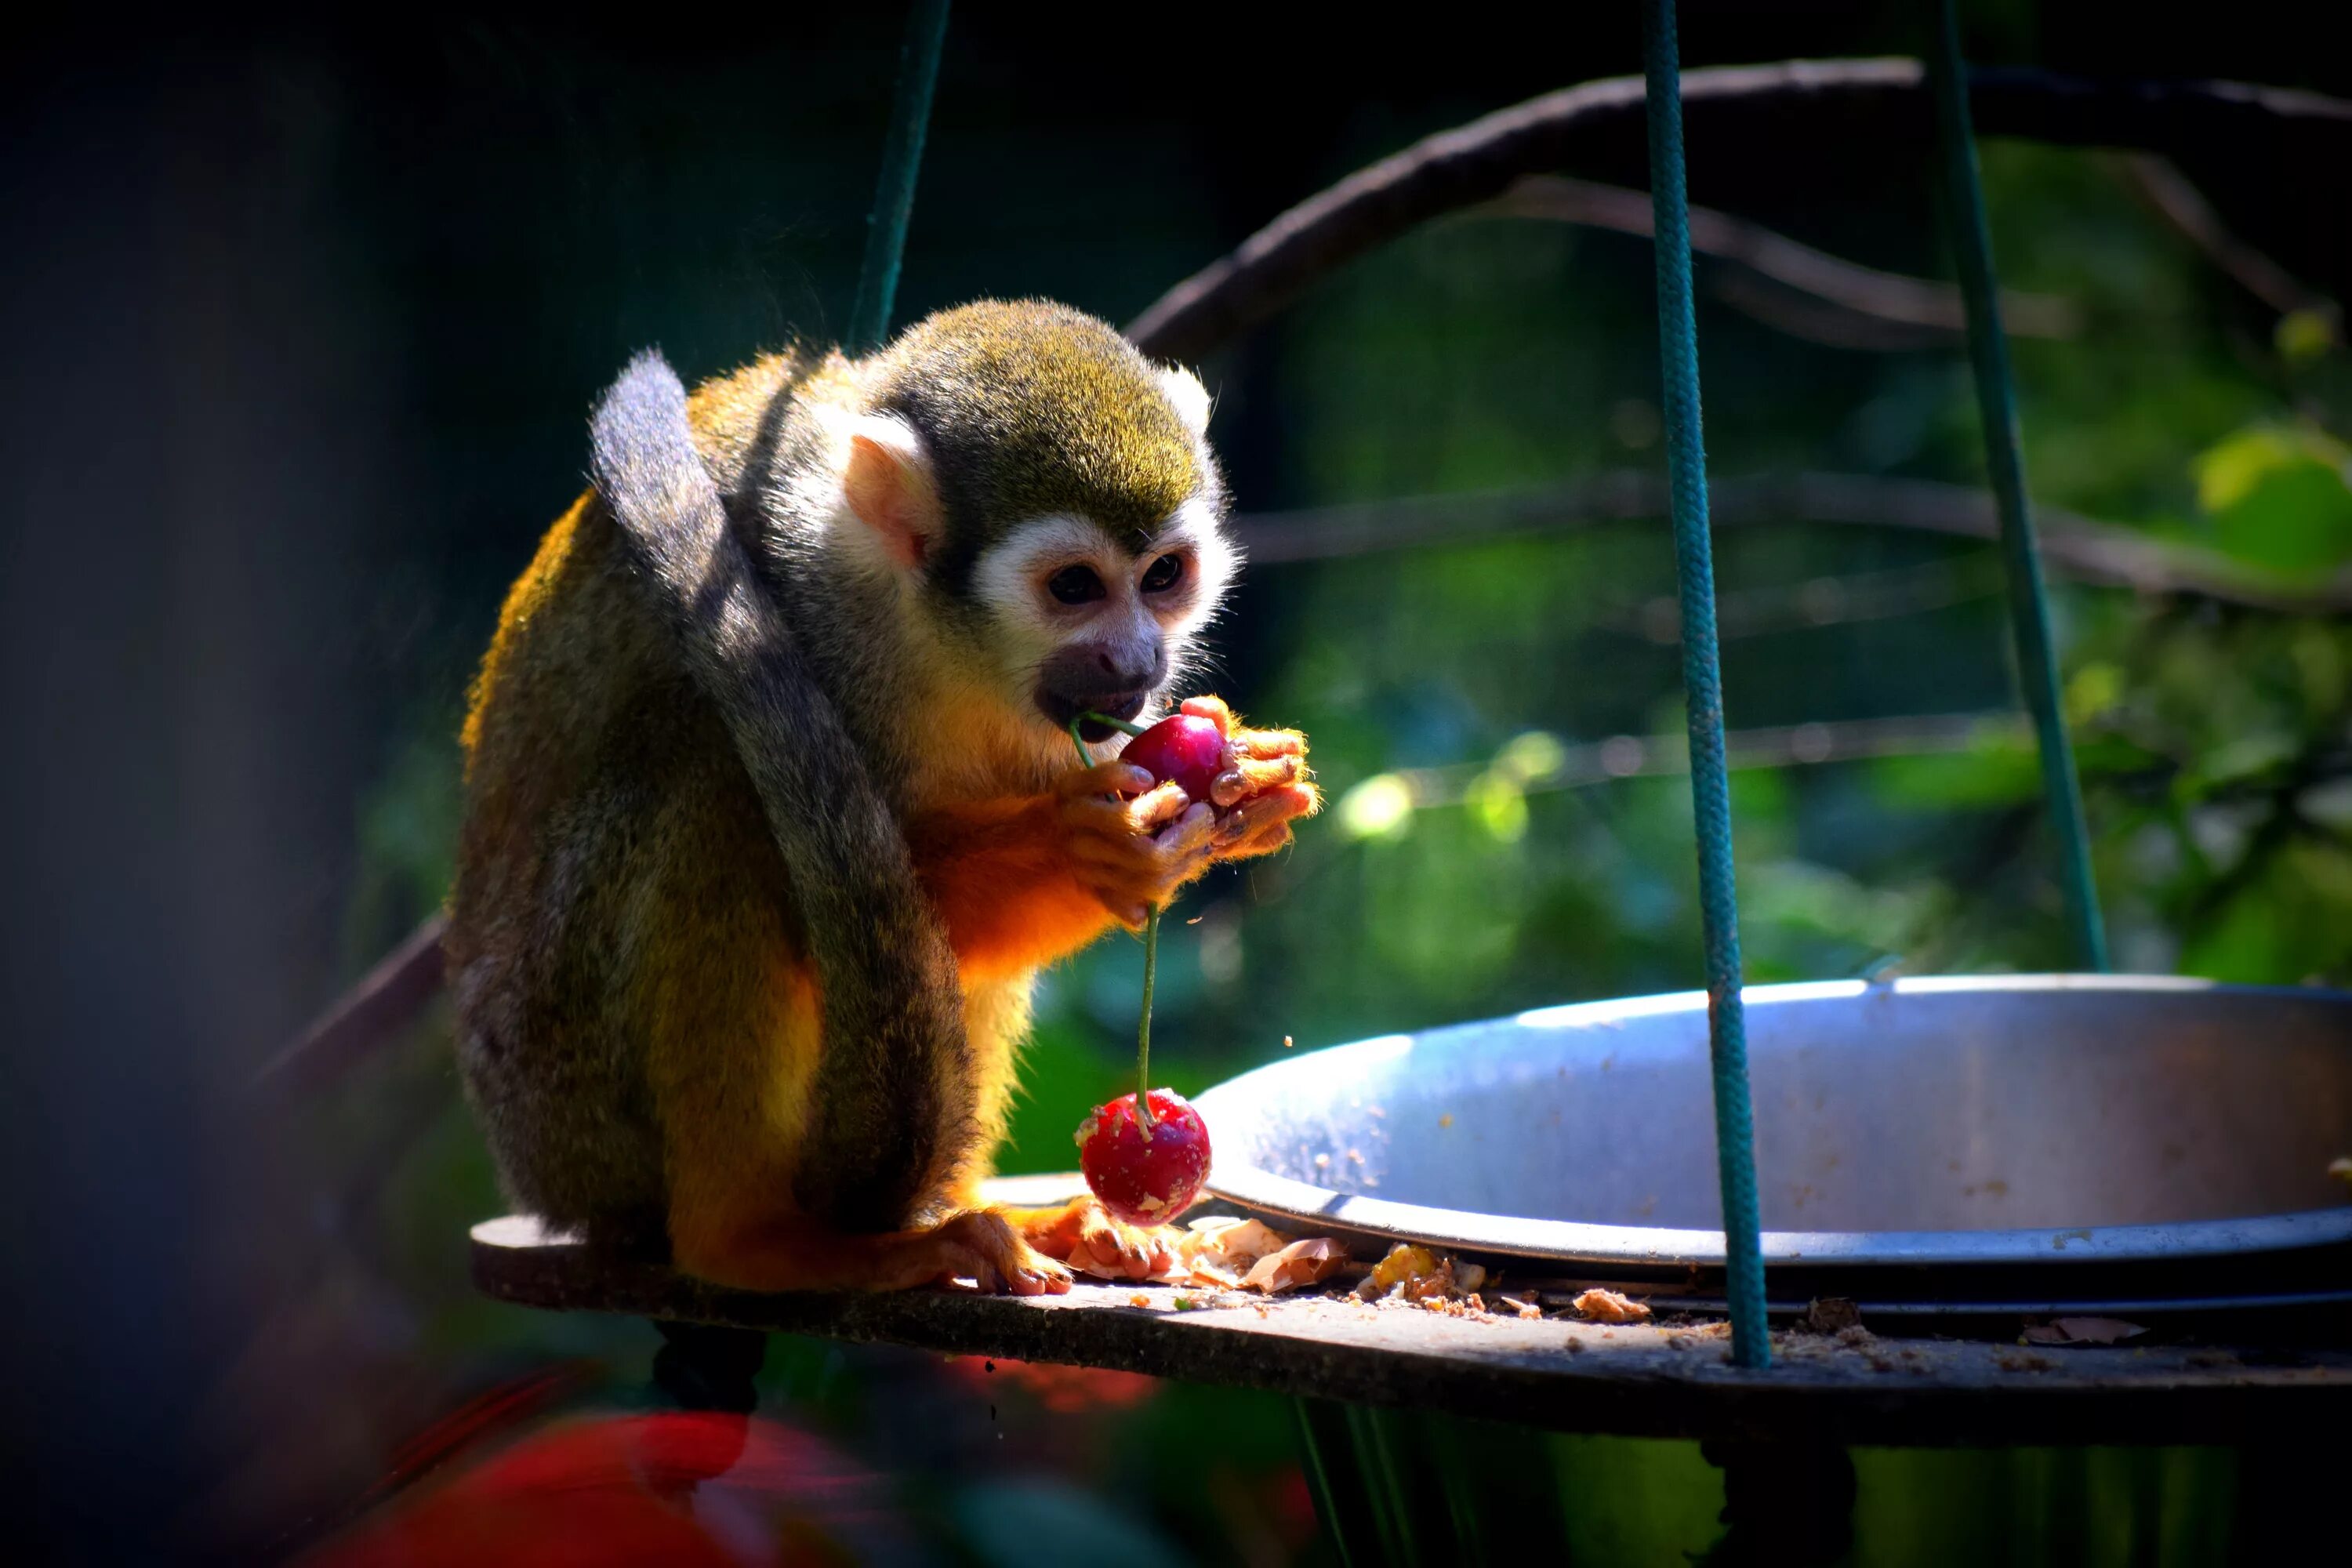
(1084, 1235)
(987, 1248)
(978, 1245)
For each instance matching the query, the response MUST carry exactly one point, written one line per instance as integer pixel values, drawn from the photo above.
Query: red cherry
(1145, 1184)
(1181, 748)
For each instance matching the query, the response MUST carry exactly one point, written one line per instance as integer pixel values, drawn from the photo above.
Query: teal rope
(1735, 1142)
(2028, 601)
(902, 154)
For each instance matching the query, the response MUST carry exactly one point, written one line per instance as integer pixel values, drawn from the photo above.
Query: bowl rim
(1306, 1205)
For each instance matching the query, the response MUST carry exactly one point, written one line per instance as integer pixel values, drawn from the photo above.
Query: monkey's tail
(893, 1080)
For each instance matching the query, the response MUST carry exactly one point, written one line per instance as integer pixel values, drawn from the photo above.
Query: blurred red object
(1064, 1390)
(683, 1488)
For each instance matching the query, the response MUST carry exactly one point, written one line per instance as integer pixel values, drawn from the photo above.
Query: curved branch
(2092, 552)
(2178, 201)
(1479, 162)
(1891, 296)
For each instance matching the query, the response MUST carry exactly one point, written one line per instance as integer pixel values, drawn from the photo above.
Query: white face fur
(1061, 583)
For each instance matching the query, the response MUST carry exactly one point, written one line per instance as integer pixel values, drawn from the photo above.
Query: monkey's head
(1048, 495)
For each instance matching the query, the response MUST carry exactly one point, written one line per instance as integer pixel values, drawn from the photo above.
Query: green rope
(902, 154)
(1735, 1142)
(2029, 601)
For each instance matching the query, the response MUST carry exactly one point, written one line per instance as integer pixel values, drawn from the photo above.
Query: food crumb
(1526, 1307)
(1828, 1314)
(1611, 1307)
(1138, 1299)
(1286, 1042)
(1446, 1119)
(2010, 1361)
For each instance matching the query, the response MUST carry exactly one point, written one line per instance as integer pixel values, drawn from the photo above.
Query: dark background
(302, 321)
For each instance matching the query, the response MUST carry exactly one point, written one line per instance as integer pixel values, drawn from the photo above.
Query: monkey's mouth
(1061, 707)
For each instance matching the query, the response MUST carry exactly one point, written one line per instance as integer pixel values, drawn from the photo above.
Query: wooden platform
(1664, 1380)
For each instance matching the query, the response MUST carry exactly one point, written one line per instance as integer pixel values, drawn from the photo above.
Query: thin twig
(2077, 546)
(1478, 162)
(1821, 601)
(1774, 746)
(2181, 204)
(387, 1001)
(1887, 297)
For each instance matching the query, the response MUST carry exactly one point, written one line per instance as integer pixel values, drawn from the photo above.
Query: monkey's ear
(888, 483)
(1192, 399)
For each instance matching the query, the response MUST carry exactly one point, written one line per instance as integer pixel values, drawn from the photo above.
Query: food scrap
(1410, 1273)
(2081, 1332)
(1308, 1262)
(1609, 1307)
(1828, 1314)
(1220, 1252)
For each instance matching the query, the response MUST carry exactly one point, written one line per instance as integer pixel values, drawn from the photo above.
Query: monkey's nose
(1129, 672)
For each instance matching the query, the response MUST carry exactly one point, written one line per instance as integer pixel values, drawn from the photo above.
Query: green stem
(1143, 1116)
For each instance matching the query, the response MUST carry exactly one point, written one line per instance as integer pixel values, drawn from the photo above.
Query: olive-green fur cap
(1031, 409)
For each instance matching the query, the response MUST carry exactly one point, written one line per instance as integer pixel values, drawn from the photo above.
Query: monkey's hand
(1264, 784)
(1133, 844)
(1083, 1235)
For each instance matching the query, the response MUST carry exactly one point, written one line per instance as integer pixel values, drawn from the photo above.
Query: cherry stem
(1143, 1031)
(1143, 1116)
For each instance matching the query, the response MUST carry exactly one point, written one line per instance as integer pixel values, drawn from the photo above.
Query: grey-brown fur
(893, 1095)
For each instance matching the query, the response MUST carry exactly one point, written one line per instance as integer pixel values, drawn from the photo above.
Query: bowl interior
(1925, 1105)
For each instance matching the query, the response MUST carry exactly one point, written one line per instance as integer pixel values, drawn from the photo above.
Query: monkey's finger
(1212, 709)
(1255, 815)
(1265, 842)
(1188, 833)
(1040, 1276)
(1156, 810)
(1110, 778)
(1123, 1248)
(1253, 775)
(1110, 1255)
(1268, 742)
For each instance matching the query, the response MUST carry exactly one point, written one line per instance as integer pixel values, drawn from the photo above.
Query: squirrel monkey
(772, 818)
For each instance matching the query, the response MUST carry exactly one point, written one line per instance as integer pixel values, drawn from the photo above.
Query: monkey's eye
(1075, 585)
(1163, 574)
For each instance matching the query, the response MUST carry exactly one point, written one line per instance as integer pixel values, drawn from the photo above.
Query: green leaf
(2279, 498)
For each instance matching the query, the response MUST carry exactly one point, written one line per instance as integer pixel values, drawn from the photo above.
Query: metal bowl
(2129, 1123)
